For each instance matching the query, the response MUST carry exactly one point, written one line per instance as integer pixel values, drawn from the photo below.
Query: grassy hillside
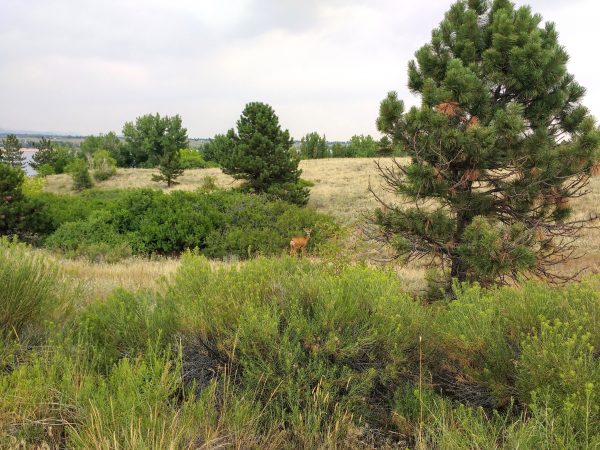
(341, 190)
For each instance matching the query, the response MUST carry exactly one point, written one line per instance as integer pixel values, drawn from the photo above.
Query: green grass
(287, 353)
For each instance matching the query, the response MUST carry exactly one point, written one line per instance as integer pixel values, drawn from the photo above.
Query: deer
(300, 243)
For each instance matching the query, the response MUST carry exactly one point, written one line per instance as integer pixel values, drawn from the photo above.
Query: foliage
(170, 167)
(104, 165)
(219, 147)
(192, 159)
(499, 145)
(124, 324)
(313, 146)
(150, 138)
(358, 363)
(261, 154)
(43, 155)
(109, 142)
(220, 223)
(33, 186)
(361, 146)
(79, 170)
(11, 152)
(339, 150)
(32, 293)
(19, 215)
(51, 158)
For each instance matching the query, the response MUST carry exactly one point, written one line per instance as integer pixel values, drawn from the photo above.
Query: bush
(70, 237)
(342, 340)
(19, 215)
(558, 370)
(125, 324)
(192, 159)
(59, 209)
(80, 173)
(32, 292)
(220, 223)
(104, 165)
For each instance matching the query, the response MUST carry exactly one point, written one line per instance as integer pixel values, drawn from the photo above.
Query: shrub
(343, 340)
(558, 370)
(104, 165)
(32, 292)
(125, 324)
(71, 237)
(254, 225)
(19, 215)
(220, 223)
(70, 208)
(192, 159)
(80, 173)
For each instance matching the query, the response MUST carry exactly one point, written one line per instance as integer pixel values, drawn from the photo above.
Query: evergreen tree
(262, 155)
(19, 215)
(170, 167)
(313, 146)
(12, 154)
(498, 147)
(44, 153)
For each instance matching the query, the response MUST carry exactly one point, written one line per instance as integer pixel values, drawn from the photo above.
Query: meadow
(341, 191)
(335, 350)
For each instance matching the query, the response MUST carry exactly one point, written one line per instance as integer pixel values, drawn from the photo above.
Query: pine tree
(12, 154)
(170, 167)
(262, 155)
(499, 146)
(44, 153)
(19, 215)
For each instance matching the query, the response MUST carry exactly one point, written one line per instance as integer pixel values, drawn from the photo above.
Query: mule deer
(300, 243)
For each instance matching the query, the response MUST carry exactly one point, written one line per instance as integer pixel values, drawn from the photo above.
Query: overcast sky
(87, 67)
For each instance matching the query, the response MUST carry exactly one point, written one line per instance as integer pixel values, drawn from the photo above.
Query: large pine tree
(499, 146)
(261, 154)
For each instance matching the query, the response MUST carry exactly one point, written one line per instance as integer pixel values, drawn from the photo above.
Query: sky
(86, 67)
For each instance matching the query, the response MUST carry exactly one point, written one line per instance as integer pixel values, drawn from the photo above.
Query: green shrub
(32, 292)
(192, 159)
(558, 370)
(208, 184)
(478, 337)
(104, 165)
(60, 209)
(80, 173)
(20, 215)
(73, 237)
(220, 223)
(123, 325)
(343, 340)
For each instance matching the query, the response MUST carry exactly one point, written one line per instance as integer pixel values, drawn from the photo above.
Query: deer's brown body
(299, 243)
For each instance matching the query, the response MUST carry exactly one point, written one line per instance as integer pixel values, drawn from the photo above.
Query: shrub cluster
(219, 223)
(284, 353)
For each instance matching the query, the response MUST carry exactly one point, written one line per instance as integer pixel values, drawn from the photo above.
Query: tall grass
(31, 292)
(287, 353)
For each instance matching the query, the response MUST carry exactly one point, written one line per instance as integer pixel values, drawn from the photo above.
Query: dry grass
(340, 189)
(340, 184)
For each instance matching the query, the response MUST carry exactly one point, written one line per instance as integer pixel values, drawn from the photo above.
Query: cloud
(324, 65)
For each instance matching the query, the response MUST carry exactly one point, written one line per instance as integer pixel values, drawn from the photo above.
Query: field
(340, 189)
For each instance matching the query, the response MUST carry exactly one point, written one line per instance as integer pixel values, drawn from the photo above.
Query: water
(28, 153)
